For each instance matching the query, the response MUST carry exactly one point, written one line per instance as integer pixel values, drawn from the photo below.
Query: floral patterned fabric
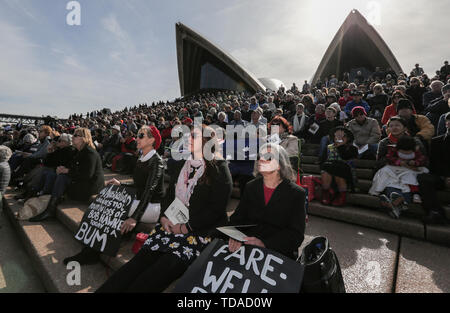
(185, 246)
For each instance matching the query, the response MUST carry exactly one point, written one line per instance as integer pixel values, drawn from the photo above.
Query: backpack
(322, 270)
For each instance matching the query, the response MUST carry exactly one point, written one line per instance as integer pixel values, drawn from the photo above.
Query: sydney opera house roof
(357, 45)
(202, 65)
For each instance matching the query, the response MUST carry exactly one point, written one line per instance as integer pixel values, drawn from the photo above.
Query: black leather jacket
(154, 187)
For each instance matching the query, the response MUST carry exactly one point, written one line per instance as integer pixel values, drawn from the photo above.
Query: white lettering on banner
(267, 268)
(211, 279)
(239, 254)
(228, 284)
(222, 249)
(85, 231)
(252, 260)
(229, 277)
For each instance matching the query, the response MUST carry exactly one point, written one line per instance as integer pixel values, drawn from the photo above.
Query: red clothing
(343, 101)
(267, 193)
(166, 133)
(393, 159)
(389, 112)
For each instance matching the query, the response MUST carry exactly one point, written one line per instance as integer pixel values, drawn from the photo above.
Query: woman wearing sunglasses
(148, 180)
(81, 180)
(272, 202)
(391, 110)
(203, 185)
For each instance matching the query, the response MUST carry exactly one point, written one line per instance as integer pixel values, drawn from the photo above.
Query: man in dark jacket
(433, 94)
(416, 92)
(445, 71)
(438, 179)
(440, 106)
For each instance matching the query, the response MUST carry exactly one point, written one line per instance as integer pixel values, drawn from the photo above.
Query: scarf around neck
(191, 172)
(299, 122)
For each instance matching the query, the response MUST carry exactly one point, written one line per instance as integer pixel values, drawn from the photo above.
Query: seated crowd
(400, 122)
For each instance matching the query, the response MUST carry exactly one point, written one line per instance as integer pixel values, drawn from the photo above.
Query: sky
(124, 51)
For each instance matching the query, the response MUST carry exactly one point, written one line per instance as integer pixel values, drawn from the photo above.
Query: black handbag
(322, 270)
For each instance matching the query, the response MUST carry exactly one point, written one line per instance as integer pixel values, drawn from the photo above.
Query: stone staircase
(49, 242)
(365, 210)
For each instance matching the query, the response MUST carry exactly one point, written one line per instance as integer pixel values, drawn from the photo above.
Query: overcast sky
(124, 52)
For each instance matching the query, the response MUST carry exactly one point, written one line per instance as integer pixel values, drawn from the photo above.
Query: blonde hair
(85, 136)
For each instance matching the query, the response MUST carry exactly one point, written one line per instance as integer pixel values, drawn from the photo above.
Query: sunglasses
(265, 157)
(77, 135)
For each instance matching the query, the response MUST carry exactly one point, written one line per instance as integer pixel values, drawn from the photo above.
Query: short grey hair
(5, 153)
(221, 114)
(66, 137)
(286, 171)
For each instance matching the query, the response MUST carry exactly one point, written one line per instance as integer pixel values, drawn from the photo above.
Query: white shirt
(145, 158)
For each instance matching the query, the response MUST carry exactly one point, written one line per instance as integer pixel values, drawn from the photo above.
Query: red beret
(157, 136)
(359, 109)
(187, 120)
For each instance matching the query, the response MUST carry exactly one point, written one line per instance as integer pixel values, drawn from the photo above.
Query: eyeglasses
(265, 157)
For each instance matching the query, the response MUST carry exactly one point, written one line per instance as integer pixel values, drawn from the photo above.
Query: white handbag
(151, 214)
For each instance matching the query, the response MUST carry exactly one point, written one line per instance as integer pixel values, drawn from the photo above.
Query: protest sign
(251, 269)
(100, 227)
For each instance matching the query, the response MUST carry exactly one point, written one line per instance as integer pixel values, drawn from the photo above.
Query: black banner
(100, 226)
(251, 269)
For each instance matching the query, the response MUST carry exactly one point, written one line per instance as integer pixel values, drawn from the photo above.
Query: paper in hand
(177, 212)
(233, 232)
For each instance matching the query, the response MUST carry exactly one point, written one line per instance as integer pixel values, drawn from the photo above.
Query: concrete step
(438, 233)
(16, 268)
(368, 164)
(423, 268)
(360, 251)
(48, 243)
(361, 173)
(370, 218)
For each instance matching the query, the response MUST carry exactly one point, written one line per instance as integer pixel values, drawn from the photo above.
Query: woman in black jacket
(148, 180)
(83, 179)
(336, 167)
(274, 203)
(204, 187)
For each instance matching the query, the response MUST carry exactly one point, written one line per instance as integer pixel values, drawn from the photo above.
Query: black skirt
(339, 169)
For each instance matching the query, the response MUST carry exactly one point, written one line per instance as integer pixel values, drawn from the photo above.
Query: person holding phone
(272, 202)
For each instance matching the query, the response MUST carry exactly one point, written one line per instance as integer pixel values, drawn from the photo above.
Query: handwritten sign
(251, 269)
(101, 223)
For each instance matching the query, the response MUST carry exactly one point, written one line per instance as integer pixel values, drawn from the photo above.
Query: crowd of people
(401, 122)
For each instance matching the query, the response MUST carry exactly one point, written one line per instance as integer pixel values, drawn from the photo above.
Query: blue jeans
(407, 196)
(324, 142)
(372, 150)
(56, 184)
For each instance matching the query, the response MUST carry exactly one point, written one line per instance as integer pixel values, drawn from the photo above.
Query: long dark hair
(211, 166)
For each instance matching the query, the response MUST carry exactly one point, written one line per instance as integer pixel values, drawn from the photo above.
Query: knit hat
(358, 109)
(187, 120)
(445, 88)
(116, 127)
(155, 134)
(404, 104)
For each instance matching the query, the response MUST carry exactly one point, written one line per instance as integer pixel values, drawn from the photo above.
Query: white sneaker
(417, 199)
